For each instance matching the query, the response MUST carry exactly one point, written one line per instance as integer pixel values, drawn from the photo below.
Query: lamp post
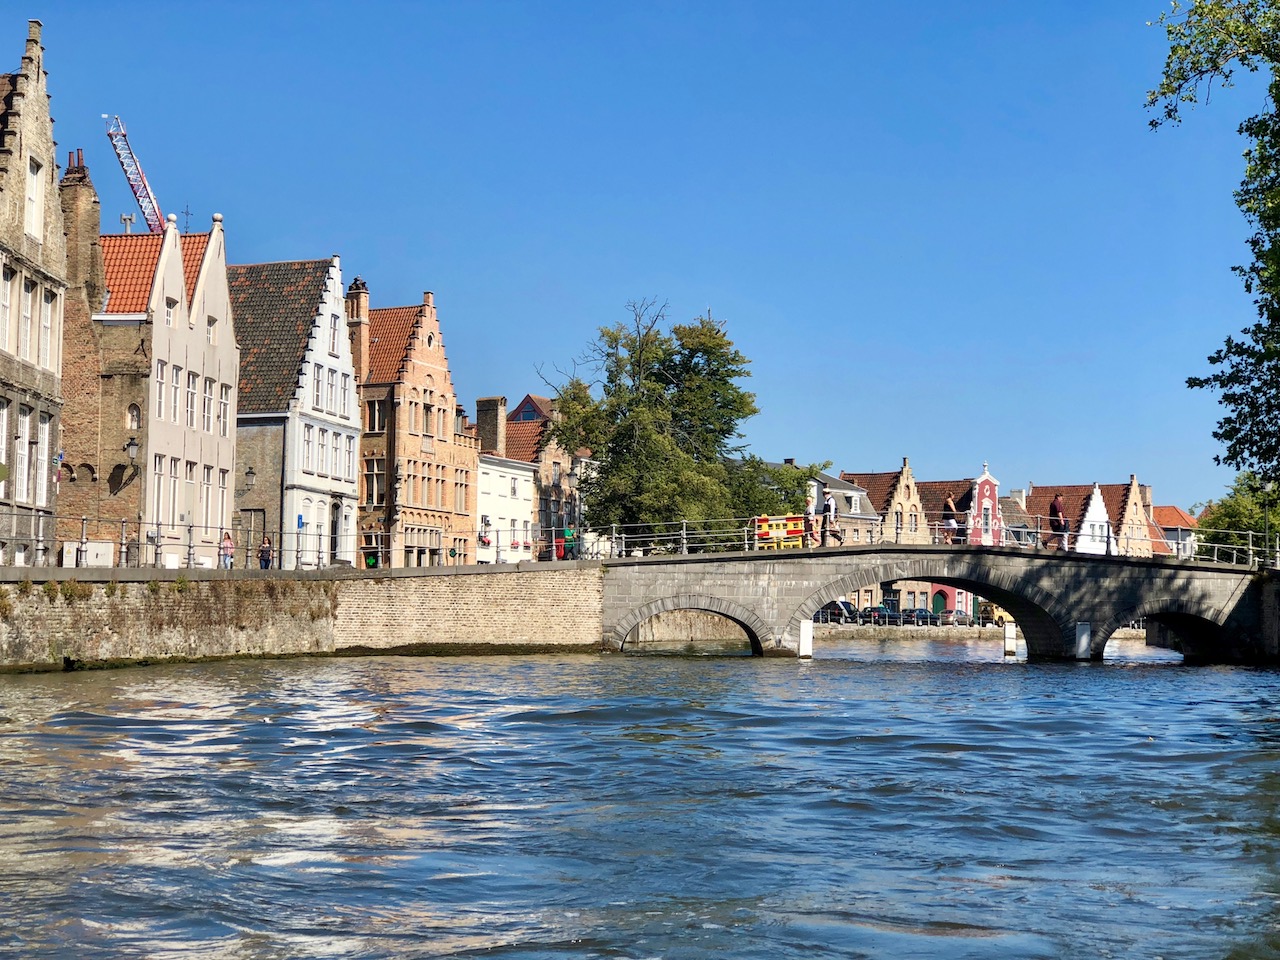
(571, 485)
(131, 448)
(1268, 489)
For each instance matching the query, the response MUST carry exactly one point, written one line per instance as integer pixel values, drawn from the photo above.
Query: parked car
(922, 617)
(956, 618)
(992, 615)
(881, 616)
(837, 611)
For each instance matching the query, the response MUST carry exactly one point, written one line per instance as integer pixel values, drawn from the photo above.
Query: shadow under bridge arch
(1046, 624)
(626, 635)
(1191, 627)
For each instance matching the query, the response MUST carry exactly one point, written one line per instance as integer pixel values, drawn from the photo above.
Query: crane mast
(133, 173)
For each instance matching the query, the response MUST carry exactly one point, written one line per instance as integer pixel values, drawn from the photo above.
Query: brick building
(298, 422)
(419, 453)
(150, 446)
(32, 296)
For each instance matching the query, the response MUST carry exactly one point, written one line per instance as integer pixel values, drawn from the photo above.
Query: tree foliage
(1245, 508)
(1209, 40)
(661, 414)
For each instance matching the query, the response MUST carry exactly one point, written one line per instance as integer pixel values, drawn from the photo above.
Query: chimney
(491, 418)
(1019, 497)
(789, 461)
(358, 326)
(82, 221)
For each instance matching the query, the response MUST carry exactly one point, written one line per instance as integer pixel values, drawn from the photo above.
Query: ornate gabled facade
(977, 503)
(298, 425)
(32, 295)
(150, 445)
(1107, 518)
(895, 498)
(419, 453)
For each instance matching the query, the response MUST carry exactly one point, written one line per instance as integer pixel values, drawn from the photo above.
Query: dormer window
(169, 306)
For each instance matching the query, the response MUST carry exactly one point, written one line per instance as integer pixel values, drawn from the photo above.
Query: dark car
(881, 616)
(837, 611)
(922, 617)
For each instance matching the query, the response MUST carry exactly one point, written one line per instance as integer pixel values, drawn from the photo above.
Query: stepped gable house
(419, 453)
(1108, 518)
(150, 447)
(32, 295)
(897, 501)
(977, 501)
(298, 422)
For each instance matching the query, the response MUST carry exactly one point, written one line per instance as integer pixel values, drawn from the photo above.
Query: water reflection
(939, 800)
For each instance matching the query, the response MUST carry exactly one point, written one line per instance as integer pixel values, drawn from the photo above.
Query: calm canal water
(884, 800)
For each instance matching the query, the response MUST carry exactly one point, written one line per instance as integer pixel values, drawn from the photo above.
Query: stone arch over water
(1047, 625)
(756, 630)
(1191, 627)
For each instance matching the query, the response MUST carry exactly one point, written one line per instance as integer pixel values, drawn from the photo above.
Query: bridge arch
(1196, 625)
(757, 630)
(1048, 625)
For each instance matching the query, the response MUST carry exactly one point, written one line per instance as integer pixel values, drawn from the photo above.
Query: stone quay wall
(52, 618)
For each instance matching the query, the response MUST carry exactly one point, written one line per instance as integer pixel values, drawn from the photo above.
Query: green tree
(1208, 41)
(1247, 507)
(661, 416)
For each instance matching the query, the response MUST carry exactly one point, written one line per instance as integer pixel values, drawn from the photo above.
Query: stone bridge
(1067, 605)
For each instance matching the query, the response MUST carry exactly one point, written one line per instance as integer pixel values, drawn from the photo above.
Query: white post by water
(1083, 635)
(805, 650)
(1010, 639)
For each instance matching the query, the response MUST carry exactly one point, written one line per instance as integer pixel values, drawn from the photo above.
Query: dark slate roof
(273, 307)
(933, 496)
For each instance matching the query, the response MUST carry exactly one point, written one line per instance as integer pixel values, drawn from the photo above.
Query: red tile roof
(1173, 517)
(130, 261)
(1158, 543)
(1074, 499)
(194, 246)
(524, 439)
(389, 329)
(933, 496)
(879, 487)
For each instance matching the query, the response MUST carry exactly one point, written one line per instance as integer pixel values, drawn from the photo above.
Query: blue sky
(940, 231)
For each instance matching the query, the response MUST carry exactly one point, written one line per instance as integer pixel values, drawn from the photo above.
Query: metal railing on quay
(33, 538)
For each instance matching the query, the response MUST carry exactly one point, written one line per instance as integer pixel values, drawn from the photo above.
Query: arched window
(133, 419)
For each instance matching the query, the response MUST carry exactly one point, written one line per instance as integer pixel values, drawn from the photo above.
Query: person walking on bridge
(1058, 523)
(830, 518)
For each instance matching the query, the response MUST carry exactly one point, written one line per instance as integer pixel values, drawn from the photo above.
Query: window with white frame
(351, 458)
(24, 321)
(169, 306)
(35, 199)
(206, 406)
(375, 480)
(206, 497)
(334, 326)
(189, 501)
(161, 387)
(308, 438)
(22, 464)
(344, 396)
(175, 393)
(175, 479)
(317, 386)
(515, 486)
(322, 452)
(211, 329)
(4, 445)
(224, 409)
(6, 306)
(331, 390)
(157, 486)
(44, 453)
(222, 498)
(193, 384)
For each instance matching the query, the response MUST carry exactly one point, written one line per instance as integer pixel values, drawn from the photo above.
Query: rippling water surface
(884, 800)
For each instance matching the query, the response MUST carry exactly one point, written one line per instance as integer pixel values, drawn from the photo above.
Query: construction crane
(133, 173)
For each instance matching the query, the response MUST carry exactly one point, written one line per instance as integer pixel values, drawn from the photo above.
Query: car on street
(881, 616)
(837, 611)
(956, 618)
(921, 617)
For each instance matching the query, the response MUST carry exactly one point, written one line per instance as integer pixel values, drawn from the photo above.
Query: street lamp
(249, 477)
(571, 484)
(131, 448)
(1267, 489)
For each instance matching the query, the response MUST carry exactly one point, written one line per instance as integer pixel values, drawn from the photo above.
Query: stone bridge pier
(1067, 605)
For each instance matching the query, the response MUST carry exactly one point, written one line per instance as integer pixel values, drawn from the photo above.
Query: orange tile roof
(1074, 499)
(1159, 545)
(933, 496)
(524, 439)
(130, 261)
(389, 329)
(1173, 517)
(193, 247)
(879, 487)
